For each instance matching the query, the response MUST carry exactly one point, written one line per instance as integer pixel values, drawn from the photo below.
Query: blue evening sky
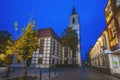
(55, 14)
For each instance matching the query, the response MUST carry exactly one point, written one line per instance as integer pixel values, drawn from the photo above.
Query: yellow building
(99, 54)
(105, 54)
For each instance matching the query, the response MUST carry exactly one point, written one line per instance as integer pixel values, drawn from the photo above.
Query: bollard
(25, 75)
(40, 74)
(49, 72)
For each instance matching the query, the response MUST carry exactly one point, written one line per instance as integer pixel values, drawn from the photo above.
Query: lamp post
(50, 65)
(39, 61)
(40, 74)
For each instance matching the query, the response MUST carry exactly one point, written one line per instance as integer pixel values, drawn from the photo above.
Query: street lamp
(39, 61)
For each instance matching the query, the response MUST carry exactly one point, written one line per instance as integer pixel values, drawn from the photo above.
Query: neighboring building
(50, 50)
(74, 23)
(99, 54)
(112, 12)
(106, 56)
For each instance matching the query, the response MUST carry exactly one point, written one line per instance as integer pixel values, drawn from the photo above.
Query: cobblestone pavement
(84, 73)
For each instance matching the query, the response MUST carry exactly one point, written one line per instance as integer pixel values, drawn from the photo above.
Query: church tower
(74, 23)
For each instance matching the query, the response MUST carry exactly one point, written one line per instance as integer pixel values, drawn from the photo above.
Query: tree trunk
(21, 77)
(8, 72)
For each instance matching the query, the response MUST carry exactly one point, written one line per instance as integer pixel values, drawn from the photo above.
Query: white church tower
(74, 23)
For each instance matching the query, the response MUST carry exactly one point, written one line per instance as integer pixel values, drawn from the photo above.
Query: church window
(73, 20)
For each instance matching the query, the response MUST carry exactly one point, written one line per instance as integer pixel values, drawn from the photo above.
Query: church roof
(46, 32)
(73, 11)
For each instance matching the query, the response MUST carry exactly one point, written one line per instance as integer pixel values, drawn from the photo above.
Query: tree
(70, 39)
(5, 48)
(26, 44)
(88, 56)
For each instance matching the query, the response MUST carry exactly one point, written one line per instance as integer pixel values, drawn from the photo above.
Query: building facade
(48, 54)
(50, 50)
(99, 54)
(74, 24)
(112, 11)
(107, 57)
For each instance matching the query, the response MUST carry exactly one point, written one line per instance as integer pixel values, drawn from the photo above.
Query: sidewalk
(116, 75)
(109, 76)
(44, 76)
(31, 73)
(2, 79)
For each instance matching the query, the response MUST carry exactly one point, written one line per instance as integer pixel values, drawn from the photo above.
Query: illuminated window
(108, 11)
(113, 29)
(112, 34)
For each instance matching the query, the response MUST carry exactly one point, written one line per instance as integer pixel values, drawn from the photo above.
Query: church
(74, 23)
(51, 52)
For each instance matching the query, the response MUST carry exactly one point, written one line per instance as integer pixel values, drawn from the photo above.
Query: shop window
(115, 62)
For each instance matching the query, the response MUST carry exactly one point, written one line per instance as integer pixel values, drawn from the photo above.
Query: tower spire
(73, 9)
